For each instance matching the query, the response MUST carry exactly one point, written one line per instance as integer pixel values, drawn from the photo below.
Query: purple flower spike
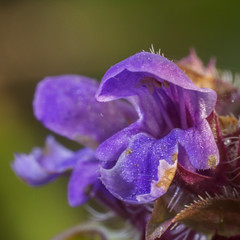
(171, 109)
(66, 105)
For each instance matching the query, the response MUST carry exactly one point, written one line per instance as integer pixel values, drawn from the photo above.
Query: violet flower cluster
(151, 136)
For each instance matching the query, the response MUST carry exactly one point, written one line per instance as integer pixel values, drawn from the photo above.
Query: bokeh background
(47, 37)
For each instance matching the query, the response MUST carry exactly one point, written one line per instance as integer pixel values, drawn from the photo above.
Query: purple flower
(145, 123)
(44, 165)
(138, 154)
(66, 105)
(140, 161)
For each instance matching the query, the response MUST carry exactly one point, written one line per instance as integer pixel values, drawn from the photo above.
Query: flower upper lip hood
(171, 109)
(146, 64)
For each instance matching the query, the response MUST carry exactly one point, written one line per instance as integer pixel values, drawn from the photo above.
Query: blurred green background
(40, 38)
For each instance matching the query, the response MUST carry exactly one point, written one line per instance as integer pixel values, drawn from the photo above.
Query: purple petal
(200, 145)
(28, 168)
(43, 165)
(144, 170)
(66, 105)
(56, 158)
(126, 78)
(84, 180)
(110, 150)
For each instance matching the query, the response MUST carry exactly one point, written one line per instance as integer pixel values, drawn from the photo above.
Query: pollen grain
(212, 161)
(128, 151)
(174, 157)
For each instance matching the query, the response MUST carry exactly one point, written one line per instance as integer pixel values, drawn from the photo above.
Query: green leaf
(160, 220)
(219, 214)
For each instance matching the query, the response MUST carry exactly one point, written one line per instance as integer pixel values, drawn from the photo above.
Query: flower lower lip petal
(200, 145)
(83, 182)
(142, 172)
